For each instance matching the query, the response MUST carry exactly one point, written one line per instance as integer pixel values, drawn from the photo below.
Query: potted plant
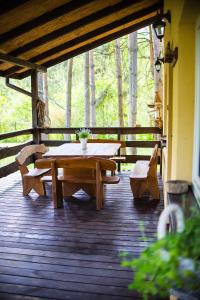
(83, 134)
(173, 261)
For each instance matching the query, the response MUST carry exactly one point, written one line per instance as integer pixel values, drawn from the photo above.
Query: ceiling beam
(6, 6)
(73, 26)
(90, 46)
(45, 18)
(89, 35)
(99, 42)
(94, 33)
(20, 62)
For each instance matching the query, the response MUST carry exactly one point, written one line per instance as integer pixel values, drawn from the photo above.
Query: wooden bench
(31, 179)
(144, 177)
(95, 180)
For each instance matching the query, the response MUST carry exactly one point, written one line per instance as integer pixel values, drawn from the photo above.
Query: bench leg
(153, 188)
(58, 195)
(27, 186)
(39, 187)
(35, 184)
(138, 187)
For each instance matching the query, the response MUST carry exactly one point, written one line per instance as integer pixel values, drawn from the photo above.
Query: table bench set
(88, 169)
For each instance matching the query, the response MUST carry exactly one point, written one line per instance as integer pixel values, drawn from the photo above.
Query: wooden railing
(37, 136)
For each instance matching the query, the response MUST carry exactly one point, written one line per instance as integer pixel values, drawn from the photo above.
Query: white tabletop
(93, 149)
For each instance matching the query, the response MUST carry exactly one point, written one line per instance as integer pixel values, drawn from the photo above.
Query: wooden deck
(71, 253)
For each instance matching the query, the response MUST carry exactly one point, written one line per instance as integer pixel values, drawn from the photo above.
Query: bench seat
(141, 169)
(36, 172)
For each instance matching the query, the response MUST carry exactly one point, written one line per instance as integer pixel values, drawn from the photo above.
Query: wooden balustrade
(115, 132)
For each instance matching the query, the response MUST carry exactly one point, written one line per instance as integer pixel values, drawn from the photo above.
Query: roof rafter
(35, 36)
(87, 36)
(9, 5)
(21, 62)
(75, 25)
(49, 16)
(90, 46)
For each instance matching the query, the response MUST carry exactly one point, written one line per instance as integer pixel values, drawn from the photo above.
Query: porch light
(170, 57)
(159, 24)
(158, 64)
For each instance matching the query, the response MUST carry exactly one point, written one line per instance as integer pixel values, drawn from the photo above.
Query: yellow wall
(179, 87)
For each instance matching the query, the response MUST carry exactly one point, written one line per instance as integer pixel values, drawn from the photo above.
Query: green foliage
(106, 85)
(145, 137)
(15, 107)
(161, 266)
(83, 133)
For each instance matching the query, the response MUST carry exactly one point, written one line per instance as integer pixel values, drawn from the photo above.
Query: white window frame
(196, 152)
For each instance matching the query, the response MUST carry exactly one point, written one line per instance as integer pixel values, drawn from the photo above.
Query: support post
(34, 92)
(119, 153)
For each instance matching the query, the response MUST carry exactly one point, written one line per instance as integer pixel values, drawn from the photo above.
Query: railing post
(34, 92)
(118, 153)
(36, 136)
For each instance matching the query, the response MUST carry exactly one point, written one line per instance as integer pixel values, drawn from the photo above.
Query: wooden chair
(96, 179)
(144, 177)
(31, 179)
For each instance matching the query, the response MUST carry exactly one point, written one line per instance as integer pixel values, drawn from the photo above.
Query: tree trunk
(119, 89)
(151, 48)
(69, 97)
(158, 84)
(92, 88)
(43, 95)
(132, 104)
(87, 90)
(119, 83)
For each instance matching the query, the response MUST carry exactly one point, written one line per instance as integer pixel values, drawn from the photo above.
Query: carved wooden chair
(31, 179)
(144, 177)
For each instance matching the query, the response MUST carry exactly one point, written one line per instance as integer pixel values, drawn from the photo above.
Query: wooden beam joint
(21, 62)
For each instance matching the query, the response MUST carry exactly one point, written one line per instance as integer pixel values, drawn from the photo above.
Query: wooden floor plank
(71, 253)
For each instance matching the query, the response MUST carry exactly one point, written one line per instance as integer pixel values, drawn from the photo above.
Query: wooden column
(34, 91)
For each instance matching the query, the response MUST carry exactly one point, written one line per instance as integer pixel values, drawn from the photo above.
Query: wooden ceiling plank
(99, 42)
(90, 46)
(89, 35)
(20, 62)
(45, 18)
(95, 33)
(55, 24)
(66, 29)
(28, 11)
(9, 5)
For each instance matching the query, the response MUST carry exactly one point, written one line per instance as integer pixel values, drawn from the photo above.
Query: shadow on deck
(71, 253)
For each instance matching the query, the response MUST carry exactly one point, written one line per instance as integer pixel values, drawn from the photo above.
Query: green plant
(170, 262)
(83, 133)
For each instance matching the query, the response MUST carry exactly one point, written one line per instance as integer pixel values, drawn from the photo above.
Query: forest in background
(16, 108)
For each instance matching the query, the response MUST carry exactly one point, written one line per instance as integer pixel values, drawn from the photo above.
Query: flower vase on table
(83, 142)
(83, 134)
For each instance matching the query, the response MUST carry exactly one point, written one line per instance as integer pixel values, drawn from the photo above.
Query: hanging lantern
(159, 24)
